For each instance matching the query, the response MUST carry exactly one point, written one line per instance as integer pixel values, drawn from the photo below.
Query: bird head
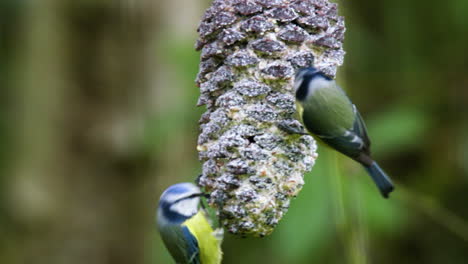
(307, 80)
(178, 203)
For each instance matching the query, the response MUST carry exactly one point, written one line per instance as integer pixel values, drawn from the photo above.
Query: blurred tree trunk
(78, 186)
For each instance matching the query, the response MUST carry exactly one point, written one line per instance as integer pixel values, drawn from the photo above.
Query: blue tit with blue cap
(185, 227)
(329, 114)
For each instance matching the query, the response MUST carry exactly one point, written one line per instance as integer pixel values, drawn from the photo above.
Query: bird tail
(380, 178)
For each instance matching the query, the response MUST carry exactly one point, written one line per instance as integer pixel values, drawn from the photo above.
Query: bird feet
(292, 127)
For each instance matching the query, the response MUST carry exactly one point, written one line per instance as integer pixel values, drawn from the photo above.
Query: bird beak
(193, 196)
(206, 195)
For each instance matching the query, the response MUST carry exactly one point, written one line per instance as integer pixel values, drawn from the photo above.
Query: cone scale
(250, 52)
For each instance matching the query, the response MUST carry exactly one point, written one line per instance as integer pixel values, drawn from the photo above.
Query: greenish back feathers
(335, 113)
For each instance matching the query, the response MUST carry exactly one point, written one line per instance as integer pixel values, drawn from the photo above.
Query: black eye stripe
(302, 91)
(189, 197)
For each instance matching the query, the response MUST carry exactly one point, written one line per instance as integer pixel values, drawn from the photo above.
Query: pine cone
(250, 52)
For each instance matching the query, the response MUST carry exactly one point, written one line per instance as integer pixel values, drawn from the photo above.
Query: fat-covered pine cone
(250, 52)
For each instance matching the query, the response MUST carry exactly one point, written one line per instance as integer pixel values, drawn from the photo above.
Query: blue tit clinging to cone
(185, 227)
(328, 113)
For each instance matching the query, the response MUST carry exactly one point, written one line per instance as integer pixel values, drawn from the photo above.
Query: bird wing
(192, 249)
(360, 128)
(181, 243)
(329, 114)
(351, 142)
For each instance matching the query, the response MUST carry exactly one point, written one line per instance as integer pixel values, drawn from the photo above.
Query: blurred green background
(98, 117)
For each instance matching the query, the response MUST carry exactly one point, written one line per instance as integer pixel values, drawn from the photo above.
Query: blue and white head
(178, 203)
(308, 80)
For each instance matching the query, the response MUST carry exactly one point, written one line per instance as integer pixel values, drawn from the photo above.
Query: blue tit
(328, 114)
(185, 227)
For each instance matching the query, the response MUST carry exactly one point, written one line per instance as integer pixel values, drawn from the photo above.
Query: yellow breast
(210, 246)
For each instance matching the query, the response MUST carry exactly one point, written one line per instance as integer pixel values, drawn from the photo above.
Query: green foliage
(302, 232)
(400, 127)
(177, 119)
